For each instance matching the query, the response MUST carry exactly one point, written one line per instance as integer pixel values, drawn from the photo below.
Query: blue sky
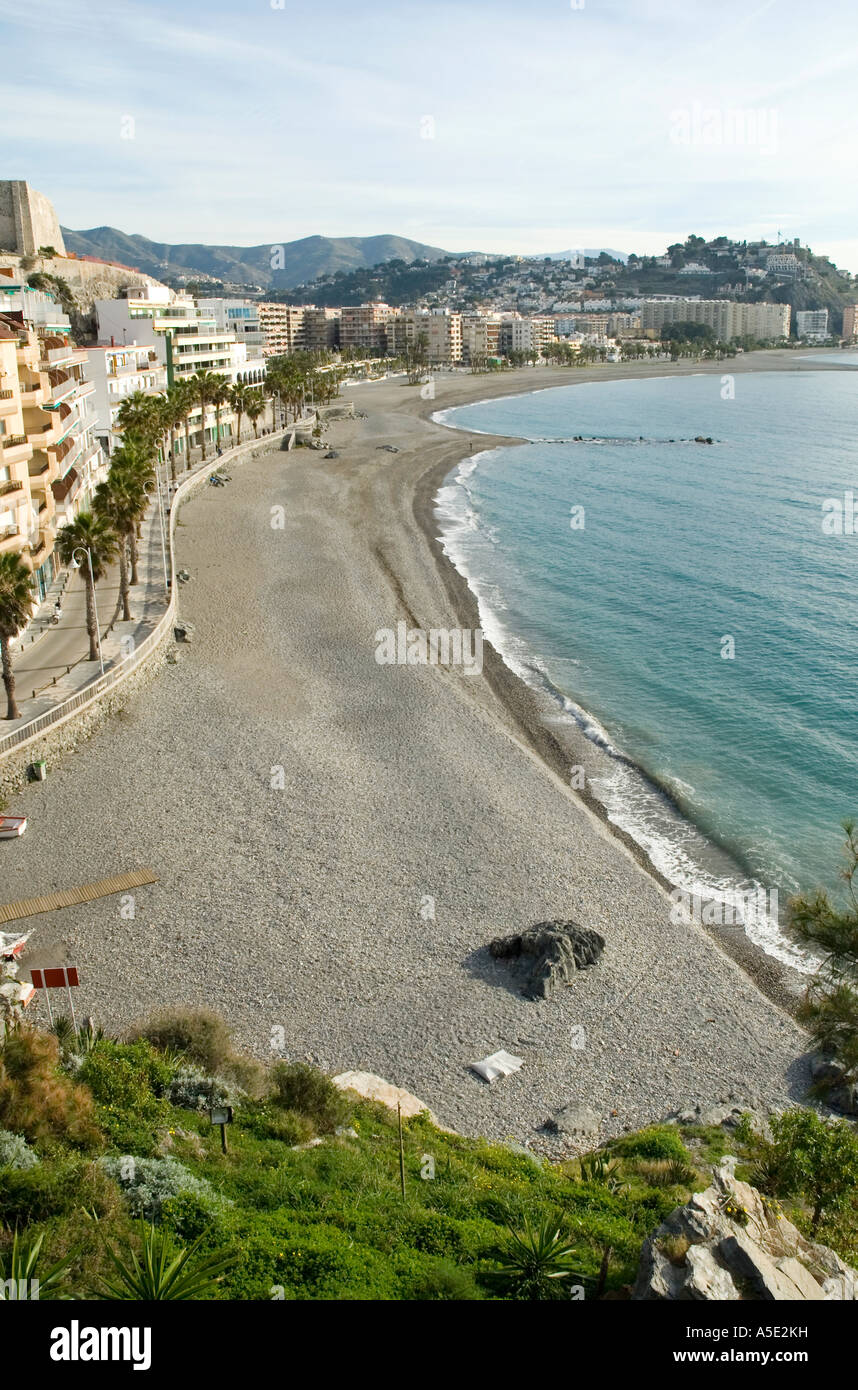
(482, 124)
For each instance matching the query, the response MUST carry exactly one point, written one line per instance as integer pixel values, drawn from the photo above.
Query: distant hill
(591, 252)
(301, 260)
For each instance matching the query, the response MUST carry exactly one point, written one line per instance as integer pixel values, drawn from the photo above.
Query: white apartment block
(480, 336)
(117, 372)
(725, 317)
(528, 335)
(186, 337)
(812, 324)
(240, 317)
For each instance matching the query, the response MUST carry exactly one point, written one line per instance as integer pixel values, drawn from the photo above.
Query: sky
(488, 125)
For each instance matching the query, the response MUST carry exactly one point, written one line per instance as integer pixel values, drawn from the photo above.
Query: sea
(692, 607)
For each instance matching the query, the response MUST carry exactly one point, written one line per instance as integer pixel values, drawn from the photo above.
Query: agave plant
(537, 1261)
(163, 1272)
(596, 1167)
(21, 1275)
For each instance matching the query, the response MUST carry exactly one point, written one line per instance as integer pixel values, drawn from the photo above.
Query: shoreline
(778, 981)
(416, 816)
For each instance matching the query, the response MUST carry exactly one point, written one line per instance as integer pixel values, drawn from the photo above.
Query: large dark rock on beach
(549, 954)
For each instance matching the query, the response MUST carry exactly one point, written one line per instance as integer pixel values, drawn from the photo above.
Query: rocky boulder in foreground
(729, 1244)
(549, 955)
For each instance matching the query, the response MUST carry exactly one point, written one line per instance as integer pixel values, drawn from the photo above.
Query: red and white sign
(57, 977)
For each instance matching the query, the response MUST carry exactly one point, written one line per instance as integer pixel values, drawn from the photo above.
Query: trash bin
(38, 770)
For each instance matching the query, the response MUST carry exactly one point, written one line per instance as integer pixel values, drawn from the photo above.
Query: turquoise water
(684, 548)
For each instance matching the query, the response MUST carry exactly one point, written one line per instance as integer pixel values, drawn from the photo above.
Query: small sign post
(56, 977)
(222, 1116)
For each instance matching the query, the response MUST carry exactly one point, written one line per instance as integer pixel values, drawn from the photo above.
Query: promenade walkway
(50, 661)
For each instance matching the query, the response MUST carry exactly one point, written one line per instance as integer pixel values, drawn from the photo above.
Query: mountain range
(272, 266)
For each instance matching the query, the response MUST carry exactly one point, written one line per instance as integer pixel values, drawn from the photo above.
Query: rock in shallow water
(549, 954)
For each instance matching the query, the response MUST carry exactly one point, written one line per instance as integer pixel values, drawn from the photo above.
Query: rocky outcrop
(373, 1087)
(549, 954)
(730, 1244)
(840, 1095)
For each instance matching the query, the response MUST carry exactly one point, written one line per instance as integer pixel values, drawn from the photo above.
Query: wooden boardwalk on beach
(70, 897)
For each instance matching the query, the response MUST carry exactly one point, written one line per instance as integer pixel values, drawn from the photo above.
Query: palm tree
(219, 398)
(120, 501)
(95, 534)
(16, 605)
(238, 397)
(176, 412)
(133, 461)
(204, 386)
(254, 408)
(140, 414)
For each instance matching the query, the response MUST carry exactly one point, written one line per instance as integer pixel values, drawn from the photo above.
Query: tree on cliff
(830, 1006)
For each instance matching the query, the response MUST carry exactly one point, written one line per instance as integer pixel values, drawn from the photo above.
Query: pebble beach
(337, 840)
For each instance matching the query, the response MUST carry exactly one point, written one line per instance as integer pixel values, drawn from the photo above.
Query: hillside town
(78, 337)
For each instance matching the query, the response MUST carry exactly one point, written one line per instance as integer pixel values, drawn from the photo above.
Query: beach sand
(337, 841)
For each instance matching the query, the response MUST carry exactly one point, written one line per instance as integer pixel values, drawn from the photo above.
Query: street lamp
(75, 563)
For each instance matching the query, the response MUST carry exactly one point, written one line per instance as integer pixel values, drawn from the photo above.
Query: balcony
(8, 404)
(13, 485)
(42, 547)
(65, 489)
(15, 448)
(10, 539)
(41, 466)
(45, 434)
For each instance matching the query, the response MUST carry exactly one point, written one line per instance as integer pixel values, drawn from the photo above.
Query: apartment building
(528, 335)
(439, 329)
(282, 327)
(363, 328)
(186, 339)
(726, 318)
(50, 460)
(241, 318)
(812, 324)
(850, 322)
(321, 329)
(117, 372)
(185, 336)
(481, 334)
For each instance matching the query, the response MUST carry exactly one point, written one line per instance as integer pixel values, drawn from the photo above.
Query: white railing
(96, 688)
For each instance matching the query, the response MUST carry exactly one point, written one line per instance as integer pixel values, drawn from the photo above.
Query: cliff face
(729, 1244)
(87, 280)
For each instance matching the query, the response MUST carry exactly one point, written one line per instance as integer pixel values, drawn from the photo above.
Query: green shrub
(55, 1189)
(443, 1280)
(658, 1141)
(202, 1036)
(15, 1152)
(129, 1082)
(192, 1218)
(312, 1094)
(147, 1183)
(270, 1122)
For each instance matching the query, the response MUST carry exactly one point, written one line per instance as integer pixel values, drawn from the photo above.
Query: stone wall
(87, 280)
(27, 219)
